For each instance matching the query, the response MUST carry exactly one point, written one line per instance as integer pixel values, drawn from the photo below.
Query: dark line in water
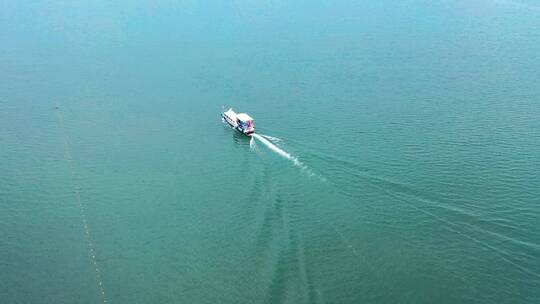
(91, 246)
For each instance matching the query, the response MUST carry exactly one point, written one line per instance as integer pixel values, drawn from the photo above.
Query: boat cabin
(245, 122)
(241, 121)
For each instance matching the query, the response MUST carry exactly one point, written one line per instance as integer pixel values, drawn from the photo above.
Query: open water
(398, 157)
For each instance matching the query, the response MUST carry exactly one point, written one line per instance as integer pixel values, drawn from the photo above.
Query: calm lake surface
(410, 133)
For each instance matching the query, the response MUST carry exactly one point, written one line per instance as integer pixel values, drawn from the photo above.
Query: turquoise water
(412, 130)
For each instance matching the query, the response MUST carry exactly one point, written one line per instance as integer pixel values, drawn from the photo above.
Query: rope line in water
(90, 242)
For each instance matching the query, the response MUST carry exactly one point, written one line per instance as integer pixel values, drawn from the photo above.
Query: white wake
(265, 140)
(274, 139)
(278, 150)
(252, 143)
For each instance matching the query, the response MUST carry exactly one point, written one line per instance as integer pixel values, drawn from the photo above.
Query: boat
(242, 122)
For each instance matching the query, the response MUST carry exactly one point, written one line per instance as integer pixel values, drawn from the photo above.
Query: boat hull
(236, 127)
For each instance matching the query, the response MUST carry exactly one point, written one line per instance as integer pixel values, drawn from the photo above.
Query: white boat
(242, 122)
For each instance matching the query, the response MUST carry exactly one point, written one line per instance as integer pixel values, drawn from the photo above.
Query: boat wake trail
(278, 150)
(252, 144)
(274, 139)
(265, 140)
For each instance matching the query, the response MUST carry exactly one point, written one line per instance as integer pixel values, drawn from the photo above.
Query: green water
(415, 126)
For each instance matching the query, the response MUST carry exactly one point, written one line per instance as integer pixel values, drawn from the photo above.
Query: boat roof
(230, 111)
(244, 117)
